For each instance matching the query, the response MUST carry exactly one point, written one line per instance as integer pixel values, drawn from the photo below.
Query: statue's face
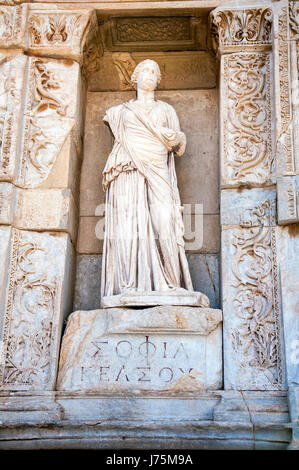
(147, 77)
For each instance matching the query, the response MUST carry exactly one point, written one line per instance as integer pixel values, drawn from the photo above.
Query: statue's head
(146, 75)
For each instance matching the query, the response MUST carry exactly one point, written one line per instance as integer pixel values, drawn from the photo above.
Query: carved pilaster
(251, 299)
(253, 351)
(243, 39)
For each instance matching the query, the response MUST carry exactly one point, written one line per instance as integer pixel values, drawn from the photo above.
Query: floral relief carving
(247, 135)
(256, 339)
(264, 214)
(242, 27)
(6, 23)
(45, 82)
(29, 315)
(11, 24)
(152, 29)
(46, 110)
(55, 30)
(92, 50)
(125, 65)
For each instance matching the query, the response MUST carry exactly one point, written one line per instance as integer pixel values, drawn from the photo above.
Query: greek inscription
(166, 374)
(124, 349)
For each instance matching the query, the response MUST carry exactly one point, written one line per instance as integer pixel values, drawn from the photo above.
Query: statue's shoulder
(168, 108)
(114, 109)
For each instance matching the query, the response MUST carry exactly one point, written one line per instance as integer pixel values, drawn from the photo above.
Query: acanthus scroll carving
(45, 82)
(241, 27)
(256, 340)
(29, 315)
(46, 112)
(247, 134)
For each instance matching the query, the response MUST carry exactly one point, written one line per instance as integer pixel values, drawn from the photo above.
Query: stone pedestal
(163, 348)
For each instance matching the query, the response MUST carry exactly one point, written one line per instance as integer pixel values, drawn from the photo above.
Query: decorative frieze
(241, 28)
(37, 283)
(152, 29)
(246, 119)
(153, 33)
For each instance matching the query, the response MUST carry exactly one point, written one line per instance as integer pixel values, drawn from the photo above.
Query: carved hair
(138, 69)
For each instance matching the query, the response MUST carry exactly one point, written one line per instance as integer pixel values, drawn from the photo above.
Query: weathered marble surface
(160, 348)
(161, 420)
(288, 256)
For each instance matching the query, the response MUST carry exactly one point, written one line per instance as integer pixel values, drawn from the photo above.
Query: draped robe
(143, 244)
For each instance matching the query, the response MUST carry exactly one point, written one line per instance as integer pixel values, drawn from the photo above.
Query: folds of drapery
(143, 245)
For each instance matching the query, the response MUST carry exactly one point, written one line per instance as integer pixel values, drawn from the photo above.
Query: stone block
(7, 203)
(87, 295)
(253, 207)
(47, 210)
(176, 349)
(288, 200)
(38, 292)
(204, 270)
(65, 172)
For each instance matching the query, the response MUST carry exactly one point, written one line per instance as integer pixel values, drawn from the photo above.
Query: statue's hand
(180, 144)
(176, 140)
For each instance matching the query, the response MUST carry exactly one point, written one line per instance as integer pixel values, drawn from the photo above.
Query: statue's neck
(145, 96)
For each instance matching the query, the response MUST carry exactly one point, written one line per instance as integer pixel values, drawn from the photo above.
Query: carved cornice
(239, 29)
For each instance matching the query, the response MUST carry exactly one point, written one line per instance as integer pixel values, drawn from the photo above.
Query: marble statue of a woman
(144, 261)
